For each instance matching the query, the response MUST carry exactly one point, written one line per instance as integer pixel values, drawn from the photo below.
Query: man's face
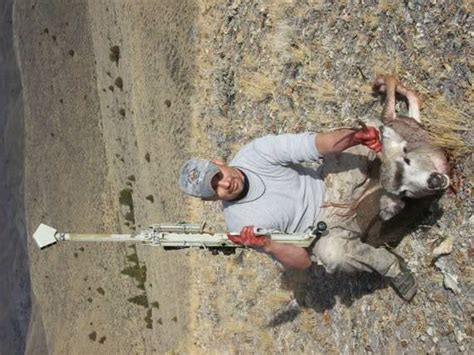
(228, 183)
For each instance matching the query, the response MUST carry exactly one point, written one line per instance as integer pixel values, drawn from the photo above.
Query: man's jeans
(341, 248)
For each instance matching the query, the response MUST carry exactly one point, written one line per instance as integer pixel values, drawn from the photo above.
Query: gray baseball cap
(196, 177)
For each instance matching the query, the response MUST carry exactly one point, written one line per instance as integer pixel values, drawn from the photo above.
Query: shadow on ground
(315, 288)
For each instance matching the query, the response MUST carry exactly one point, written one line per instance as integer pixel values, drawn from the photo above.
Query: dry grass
(249, 63)
(322, 91)
(386, 63)
(298, 53)
(266, 341)
(388, 6)
(277, 299)
(285, 8)
(427, 65)
(280, 44)
(208, 276)
(321, 118)
(314, 67)
(361, 92)
(468, 5)
(233, 326)
(371, 19)
(286, 45)
(256, 86)
(445, 122)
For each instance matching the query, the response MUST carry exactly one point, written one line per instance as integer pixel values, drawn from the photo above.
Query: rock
(460, 336)
(451, 282)
(445, 248)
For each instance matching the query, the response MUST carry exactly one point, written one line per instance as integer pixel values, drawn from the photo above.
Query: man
(266, 186)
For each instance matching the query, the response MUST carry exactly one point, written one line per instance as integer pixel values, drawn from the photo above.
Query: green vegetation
(133, 258)
(135, 271)
(114, 54)
(140, 300)
(125, 197)
(148, 319)
(119, 83)
(138, 273)
(93, 336)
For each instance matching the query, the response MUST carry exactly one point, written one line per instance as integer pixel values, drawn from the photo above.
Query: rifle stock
(180, 235)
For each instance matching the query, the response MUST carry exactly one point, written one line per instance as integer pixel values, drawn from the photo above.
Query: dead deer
(411, 165)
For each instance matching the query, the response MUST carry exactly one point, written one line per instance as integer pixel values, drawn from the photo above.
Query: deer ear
(390, 205)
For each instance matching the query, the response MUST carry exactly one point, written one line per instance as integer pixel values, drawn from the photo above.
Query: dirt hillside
(118, 94)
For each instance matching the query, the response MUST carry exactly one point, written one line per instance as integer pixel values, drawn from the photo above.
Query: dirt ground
(117, 94)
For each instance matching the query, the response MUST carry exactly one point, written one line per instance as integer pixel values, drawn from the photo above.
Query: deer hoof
(379, 83)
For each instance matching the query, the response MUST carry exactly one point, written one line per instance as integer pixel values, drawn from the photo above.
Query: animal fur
(411, 165)
(409, 178)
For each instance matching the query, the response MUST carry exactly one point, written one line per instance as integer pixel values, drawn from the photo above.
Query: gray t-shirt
(282, 194)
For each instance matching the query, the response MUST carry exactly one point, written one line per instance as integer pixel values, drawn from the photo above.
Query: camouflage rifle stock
(180, 235)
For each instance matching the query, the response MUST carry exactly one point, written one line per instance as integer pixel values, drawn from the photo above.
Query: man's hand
(248, 238)
(337, 141)
(368, 136)
(290, 256)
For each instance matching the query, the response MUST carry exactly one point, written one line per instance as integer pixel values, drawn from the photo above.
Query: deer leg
(388, 113)
(387, 84)
(379, 84)
(414, 101)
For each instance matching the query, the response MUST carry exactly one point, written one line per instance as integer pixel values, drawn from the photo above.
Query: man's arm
(342, 139)
(288, 148)
(290, 256)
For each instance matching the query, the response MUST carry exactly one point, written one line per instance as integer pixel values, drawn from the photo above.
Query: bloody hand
(368, 136)
(248, 238)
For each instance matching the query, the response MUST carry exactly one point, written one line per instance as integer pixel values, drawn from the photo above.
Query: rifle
(179, 235)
